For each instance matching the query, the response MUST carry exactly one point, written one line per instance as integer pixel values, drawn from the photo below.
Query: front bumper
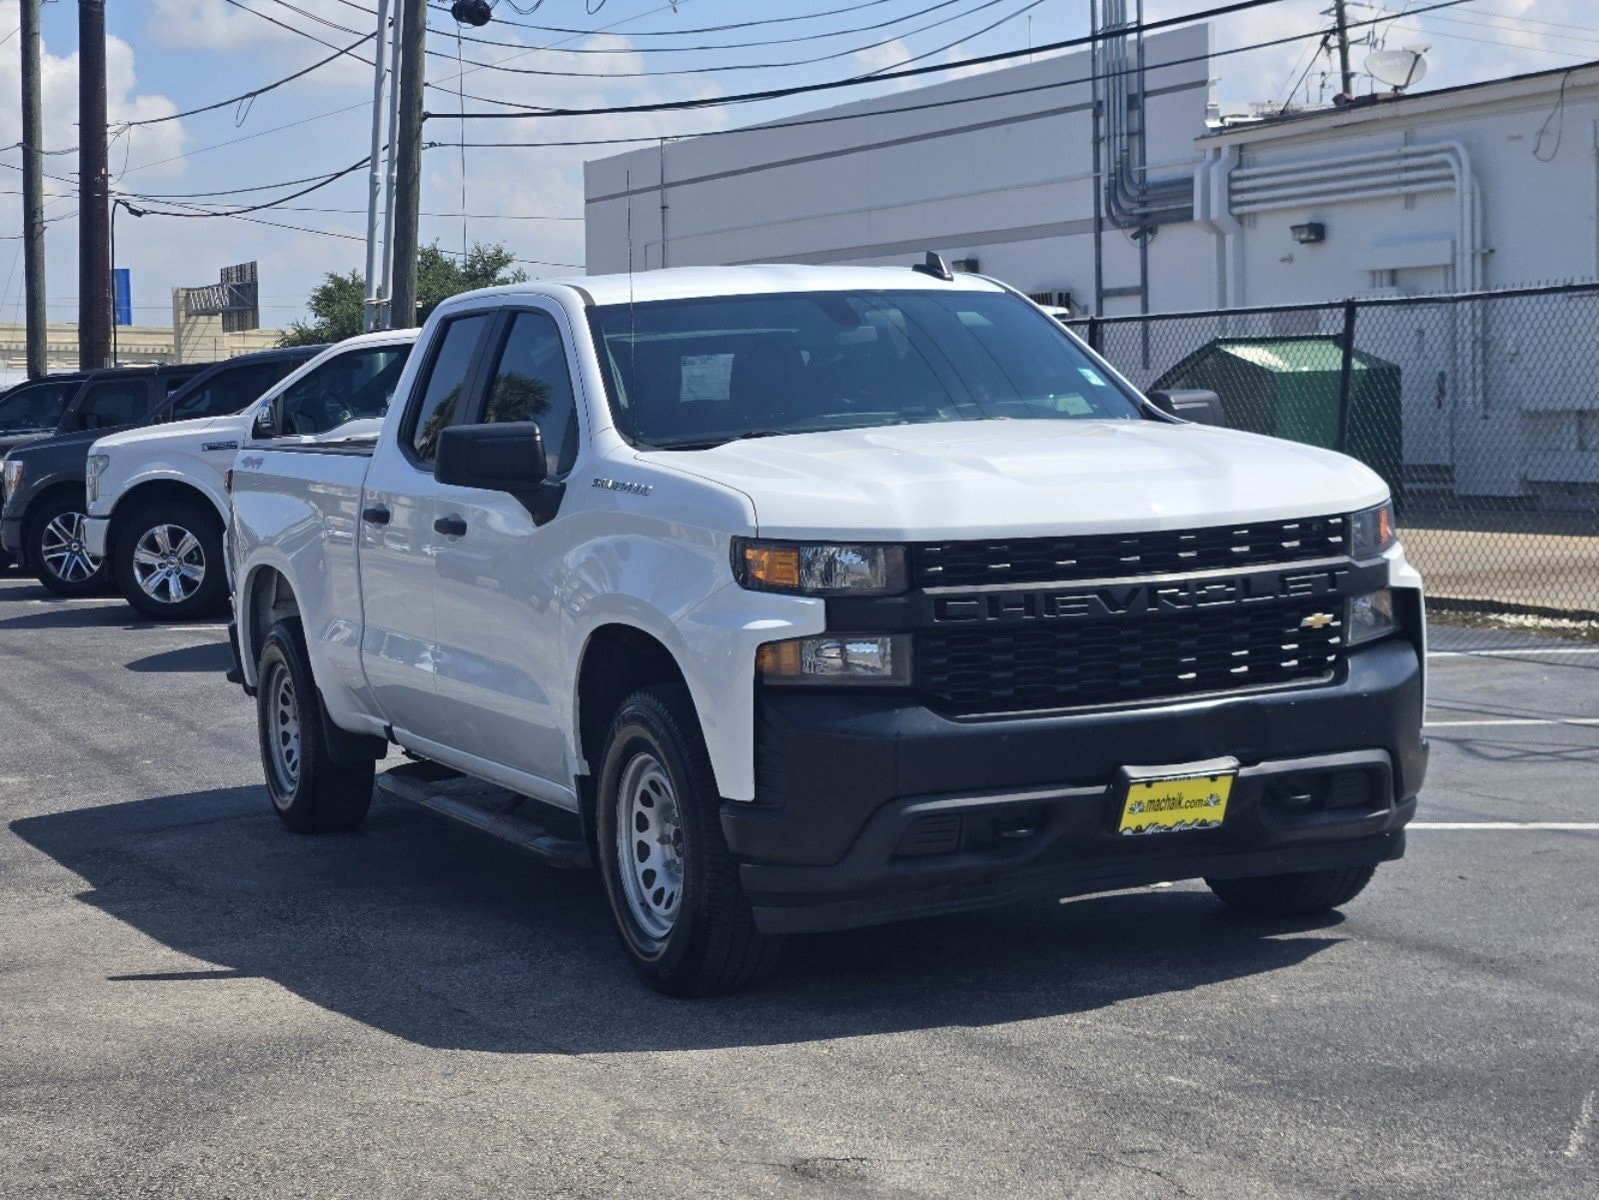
(11, 540)
(97, 535)
(876, 809)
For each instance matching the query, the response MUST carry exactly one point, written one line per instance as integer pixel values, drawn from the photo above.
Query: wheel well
(167, 490)
(271, 600)
(618, 661)
(49, 496)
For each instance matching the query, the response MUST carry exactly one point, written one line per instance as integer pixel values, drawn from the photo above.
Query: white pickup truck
(157, 498)
(802, 598)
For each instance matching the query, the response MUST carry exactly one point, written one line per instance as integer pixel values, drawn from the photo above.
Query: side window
(359, 383)
(531, 383)
(228, 391)
(176, 380)
(447, 379)
(35, 405)
(113, 402)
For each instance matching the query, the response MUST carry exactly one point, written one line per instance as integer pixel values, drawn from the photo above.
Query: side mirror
(1190, 404)
(71, 422)
(506, 457)
(268, 423)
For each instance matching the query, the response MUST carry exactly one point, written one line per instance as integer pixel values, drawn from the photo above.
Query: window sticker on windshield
(1072, 404)
(1092, 376)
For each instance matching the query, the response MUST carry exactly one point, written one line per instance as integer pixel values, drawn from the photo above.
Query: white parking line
(1502, 826)
(1519, 650)
(1514, 721)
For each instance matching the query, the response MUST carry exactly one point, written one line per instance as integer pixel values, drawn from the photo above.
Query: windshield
(686, 374)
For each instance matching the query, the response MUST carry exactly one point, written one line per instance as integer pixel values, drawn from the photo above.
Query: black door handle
(450, 526)
(377, 515)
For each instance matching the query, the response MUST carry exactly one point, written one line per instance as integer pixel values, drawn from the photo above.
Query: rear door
(496, 598)
(398, 644)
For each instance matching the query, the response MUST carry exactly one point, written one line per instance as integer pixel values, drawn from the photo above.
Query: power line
(686, 32)
(251, 95)
(856, 80)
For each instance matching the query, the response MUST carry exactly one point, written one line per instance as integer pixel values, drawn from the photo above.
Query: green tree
(335, 303)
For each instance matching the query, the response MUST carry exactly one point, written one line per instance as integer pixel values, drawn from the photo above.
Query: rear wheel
(673, 886)
(310, 792)
(167, 559)
(56, 548)
(1303, 894)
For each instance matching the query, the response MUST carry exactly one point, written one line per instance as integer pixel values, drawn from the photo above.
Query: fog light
(1370, 617)
(884, 660)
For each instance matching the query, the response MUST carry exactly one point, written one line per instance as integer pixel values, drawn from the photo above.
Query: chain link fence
(1481, 411)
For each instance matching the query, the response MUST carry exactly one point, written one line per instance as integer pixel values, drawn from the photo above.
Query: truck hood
(1026, 479)
(232, 426)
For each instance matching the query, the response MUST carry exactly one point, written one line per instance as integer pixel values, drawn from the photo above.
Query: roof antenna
(935, 266)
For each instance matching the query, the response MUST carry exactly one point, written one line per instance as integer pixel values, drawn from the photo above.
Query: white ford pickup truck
(801, 598)
(157, 498)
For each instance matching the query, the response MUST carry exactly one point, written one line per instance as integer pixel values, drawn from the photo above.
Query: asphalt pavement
(195, 1003)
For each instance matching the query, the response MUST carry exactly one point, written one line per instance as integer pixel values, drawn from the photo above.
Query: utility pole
(369, 316)
(94, 205)
(407, 199)
(33, 193)
(1342, 17)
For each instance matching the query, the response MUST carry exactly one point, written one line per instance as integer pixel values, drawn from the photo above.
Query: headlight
(837, 658)
(1372, 530)
(91, 476)
(804, 569)
(1370, 617)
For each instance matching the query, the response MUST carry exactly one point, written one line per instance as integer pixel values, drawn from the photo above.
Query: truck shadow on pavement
(212, 658)
(438, 936)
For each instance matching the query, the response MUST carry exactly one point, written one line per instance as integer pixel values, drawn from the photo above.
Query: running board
(494, 810)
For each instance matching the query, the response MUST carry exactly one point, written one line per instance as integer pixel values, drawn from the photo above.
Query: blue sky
(171, 55)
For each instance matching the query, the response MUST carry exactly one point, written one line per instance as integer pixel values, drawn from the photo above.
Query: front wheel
(1304, 894)
(310, 792)
(167, 559)
(56, 548)
(673, 886)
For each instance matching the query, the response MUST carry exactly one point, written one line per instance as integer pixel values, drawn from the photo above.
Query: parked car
(157, 499)
(41, 525)
(819, 597)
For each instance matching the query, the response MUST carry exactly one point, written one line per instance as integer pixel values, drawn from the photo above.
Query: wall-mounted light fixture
(1309, 233)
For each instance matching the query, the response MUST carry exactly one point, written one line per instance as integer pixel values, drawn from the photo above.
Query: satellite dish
(1399, 69)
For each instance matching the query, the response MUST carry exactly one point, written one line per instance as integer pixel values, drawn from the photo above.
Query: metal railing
(1480, 410)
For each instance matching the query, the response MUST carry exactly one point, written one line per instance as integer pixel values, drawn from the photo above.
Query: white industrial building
(1159, 207)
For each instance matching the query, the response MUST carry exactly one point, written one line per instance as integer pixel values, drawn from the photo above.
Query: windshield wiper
(711, 444)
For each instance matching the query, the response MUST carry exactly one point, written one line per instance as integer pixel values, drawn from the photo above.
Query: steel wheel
(649, 846)
(169, 564)
(62, 551)
(283, 729)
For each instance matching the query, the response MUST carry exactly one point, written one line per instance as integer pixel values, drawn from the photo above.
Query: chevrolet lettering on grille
(1138, 599)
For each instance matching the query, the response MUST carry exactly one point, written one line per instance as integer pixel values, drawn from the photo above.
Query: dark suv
(32, 409)
(41, 525)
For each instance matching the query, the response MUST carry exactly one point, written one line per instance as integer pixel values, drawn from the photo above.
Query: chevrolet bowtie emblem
(1317, 621)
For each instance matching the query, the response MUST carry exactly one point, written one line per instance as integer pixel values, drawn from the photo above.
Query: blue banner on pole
(122, 285)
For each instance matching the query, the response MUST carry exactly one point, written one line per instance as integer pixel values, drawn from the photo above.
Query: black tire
(711, 945)
(161, 530)
(54, 534)
(1300, 895)
(310, 792)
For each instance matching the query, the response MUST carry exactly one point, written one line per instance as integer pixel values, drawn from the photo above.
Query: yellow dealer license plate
(1175, 805)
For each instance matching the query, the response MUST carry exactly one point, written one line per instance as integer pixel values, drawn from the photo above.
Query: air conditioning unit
(1055, 299)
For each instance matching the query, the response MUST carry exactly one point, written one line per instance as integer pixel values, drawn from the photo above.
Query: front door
(496, 595)
(399, 649)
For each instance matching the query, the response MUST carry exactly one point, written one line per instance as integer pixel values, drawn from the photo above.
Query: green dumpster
(1287, 387)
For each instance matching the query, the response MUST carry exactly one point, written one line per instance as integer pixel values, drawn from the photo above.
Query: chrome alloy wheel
(283, 731)
(649, 846)
(169, 564)
(62, 549)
